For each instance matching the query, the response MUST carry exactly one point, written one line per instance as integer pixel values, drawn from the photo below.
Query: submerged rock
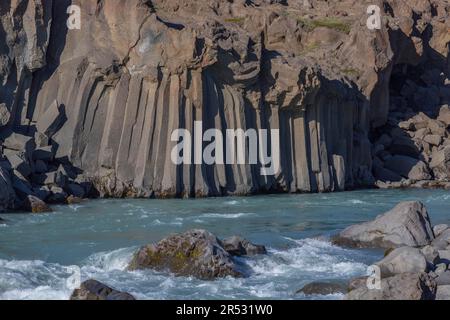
(36, 205)
(323, 288)
(195, 253)
(95, 290)
(237, 246)
(405, 286)
(408, 224)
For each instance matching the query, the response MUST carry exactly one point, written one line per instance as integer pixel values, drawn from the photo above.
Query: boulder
(195, 253)
(442, 241)
(439, 229)
(408, 167)
(323, 288)
(385, 175)
(95, 290)
(18, 163)
(19, 142)
(431, 254)
(443, 293)
(36, 205)
(58, 195)
(408, 224)
(444, 115)
(433, 139)
(75, 190)
(4, 115)
(44, 153)
(7, 194)
(40, 167)
(444, 256)
(405, 286)
(402, 260)
(443, 278)
(73, 200)
(440, 163)
(237, 246)
(404, 146)
(42, 192)
(21, 185)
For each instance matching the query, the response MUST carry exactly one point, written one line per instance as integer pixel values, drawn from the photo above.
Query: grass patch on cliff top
(330, 23)
(235, 20)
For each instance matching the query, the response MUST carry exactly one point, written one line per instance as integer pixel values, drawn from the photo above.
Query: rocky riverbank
(416, 265)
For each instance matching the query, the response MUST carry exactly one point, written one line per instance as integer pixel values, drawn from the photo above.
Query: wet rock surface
(324, 288)
(195, 253)
(237, 246)
(95, 290)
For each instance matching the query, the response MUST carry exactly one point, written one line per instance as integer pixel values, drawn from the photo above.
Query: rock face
(195, 253)
(108, 97)
(408, 224)
(36, 205)
(95, 290)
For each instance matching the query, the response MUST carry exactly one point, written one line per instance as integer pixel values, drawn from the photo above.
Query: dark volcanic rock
(408, 224)
(323, 288)
(194, 253)
(237, 246)
(95, 290)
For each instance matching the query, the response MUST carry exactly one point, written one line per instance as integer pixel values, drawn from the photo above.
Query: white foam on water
(277, 275)
(33, 280)
(232, 202)
(110, 261)
(177, 222)
(226, 215)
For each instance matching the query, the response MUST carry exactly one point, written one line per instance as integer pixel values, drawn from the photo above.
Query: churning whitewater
(99, 238)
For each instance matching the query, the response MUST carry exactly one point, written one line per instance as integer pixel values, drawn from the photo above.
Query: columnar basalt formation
(104, 100)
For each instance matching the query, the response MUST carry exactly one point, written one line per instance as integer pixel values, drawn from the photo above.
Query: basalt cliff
(90, 111)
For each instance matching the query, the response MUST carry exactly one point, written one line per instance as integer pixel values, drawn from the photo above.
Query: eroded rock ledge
(99, 104)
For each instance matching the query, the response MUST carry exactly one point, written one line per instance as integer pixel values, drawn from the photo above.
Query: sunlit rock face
(137, 70)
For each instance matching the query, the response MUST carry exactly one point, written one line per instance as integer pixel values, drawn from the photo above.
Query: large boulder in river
(95, 290)
(405, 286)
(408, 224)
(195, 253)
